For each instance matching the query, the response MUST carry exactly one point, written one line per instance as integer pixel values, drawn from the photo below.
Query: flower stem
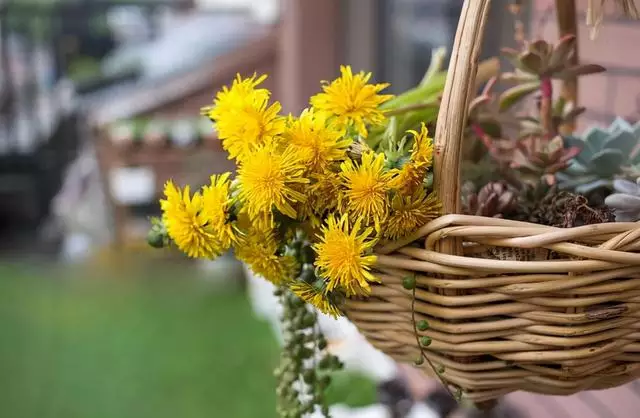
(411, 108)
(546, 106)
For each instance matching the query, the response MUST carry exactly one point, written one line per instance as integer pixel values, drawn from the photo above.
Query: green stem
(411, 108)
(434, 87)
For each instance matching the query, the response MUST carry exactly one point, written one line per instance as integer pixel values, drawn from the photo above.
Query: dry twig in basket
(595, 12)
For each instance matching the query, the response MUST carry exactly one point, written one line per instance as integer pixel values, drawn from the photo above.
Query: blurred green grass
(74, 346)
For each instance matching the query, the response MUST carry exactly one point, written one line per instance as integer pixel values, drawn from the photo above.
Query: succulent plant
(495, 200)
(544, 60)
(534, 157)
(607, 154)
(626, 200)
(563, 114)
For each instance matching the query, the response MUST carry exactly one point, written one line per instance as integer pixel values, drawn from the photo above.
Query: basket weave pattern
(504, 318)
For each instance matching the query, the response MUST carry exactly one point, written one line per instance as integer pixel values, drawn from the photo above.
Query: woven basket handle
(452, 117)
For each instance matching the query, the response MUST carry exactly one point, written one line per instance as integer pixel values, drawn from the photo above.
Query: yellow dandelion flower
(323, 194)
(343, 256)
(189, 225)
(317, 297)
(324, 143)
(409, 213)
(244, 118)
(216, 207)
(412, 174)
(365, 187)
(242, 91)
(270, 179)
(259, 249)
(352, 100)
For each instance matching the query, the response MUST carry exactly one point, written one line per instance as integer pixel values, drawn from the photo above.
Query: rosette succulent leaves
(535, 157)
(626, 200)
(607, 154)
(544, 60)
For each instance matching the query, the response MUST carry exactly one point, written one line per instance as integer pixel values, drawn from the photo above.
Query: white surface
(80, 208)
(132, 185)
(347, 343)
(266, 11)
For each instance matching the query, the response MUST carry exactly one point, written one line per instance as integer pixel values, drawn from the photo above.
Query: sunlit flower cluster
(310, 199)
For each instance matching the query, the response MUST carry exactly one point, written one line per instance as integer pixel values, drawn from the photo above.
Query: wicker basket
(503, 316)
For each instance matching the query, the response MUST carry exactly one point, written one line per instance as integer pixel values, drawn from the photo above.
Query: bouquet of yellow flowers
(312, 197)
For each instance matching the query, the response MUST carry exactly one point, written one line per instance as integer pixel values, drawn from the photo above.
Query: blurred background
(99, 106)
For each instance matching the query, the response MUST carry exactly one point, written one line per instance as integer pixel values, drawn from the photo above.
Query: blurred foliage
(351, 389)
(160, 346)
(130, 345)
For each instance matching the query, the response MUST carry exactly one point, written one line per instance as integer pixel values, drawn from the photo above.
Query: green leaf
(619, 124)
(531, 62)
(562, 51)
(607, 162)
(595, 139)
(351, 389)
(573, 141)
(623, 141)
(594, 185)
(578, 70)
(437, 65)
(568, 182)
(514, 94)
(433, 88)
(492, 128)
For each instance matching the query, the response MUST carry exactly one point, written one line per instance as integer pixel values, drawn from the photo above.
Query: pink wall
(617, 47)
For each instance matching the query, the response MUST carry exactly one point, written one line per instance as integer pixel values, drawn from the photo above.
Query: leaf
(571, 115)
(563, 50)
(623, 141)
(571, 183)
(590, 187)
(607, 162)
(625, 202)
(576, 169)
(541, 48)
(514, 94)
(578, 70)
(626, 187)
(619, 124)
(530, 62)
(572, 141)
(595, 139)
(518, 76)
(437, 65)
(492, 128)
(510, 52)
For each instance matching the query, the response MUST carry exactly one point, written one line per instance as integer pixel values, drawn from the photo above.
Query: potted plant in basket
(350, 207)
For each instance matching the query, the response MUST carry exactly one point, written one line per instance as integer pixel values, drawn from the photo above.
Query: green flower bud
(418, 361)
(409, 282)
(309, 320)
(423, 325)
(156, 237)
(322, 342)
(425, 341)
